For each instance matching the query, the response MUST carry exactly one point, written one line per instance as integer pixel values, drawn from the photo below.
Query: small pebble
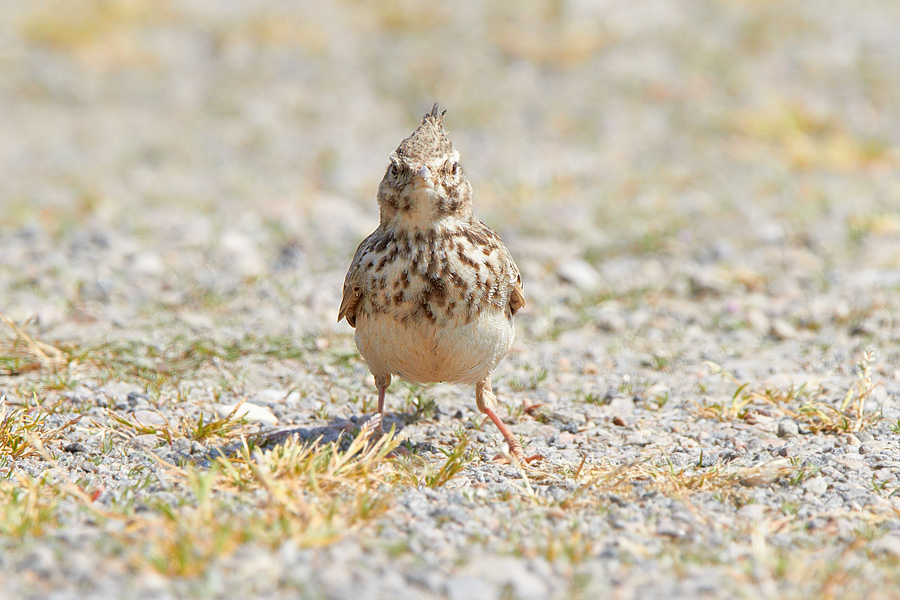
(787, 428)
(816, 485)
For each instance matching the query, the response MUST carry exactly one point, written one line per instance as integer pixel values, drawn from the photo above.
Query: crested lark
(432, 291)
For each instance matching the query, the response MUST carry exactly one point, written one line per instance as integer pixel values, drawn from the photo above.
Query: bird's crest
(428, 141)
(435, 116)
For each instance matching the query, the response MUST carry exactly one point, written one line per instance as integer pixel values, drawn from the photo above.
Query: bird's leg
(486, 401)
(382, 383)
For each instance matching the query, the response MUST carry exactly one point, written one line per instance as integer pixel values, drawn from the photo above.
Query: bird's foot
(524, 460)
(516, 451)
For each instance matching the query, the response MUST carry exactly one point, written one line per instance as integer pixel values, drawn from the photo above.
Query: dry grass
(24, 432)
(817, 414)
(315, 494)
(807, 140)
(28, 506)
(20, 352)
(98, 31)
(179, 427)
(659, 474)
(311, 494)
(416, 471)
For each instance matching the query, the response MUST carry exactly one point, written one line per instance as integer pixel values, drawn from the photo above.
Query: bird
(432, 292)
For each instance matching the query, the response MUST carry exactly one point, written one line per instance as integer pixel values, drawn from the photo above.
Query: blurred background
(166, 154)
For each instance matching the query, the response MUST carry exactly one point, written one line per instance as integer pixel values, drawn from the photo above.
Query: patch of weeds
(660, 362)
(789, 508)
(163, 368)
(218, 427)
(181, 427)
(418, 403)
(727, 483)
(24, 431)
(633, 388)
(343, 359)
(75, 25)
(660, 400)
(310, 493)
(425, 406)
(571, 545)
(534, 380)
(365, 402)
(418, 471)
(28, 506)
(816, 414)
(313, 494)
(321, 412)
(875, 224)
(881, 488)
(595, 398)
(801, 472)
(20, 352)
(514, 410)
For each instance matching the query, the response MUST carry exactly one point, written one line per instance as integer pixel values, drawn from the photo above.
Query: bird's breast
(424, 351)
(434, 275)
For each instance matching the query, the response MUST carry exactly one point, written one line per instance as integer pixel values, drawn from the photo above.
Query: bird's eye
(454, 169)
(393, 170)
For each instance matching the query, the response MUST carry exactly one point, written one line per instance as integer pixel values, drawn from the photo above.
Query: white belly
(426, 352)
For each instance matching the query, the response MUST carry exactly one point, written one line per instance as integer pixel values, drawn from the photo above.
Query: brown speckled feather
(432, 291)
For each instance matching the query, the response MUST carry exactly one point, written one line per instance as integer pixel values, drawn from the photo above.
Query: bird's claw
(519, 455)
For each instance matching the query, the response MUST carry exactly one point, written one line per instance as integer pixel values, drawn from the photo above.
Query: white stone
(149, 417)
(242, 253)
(507, 572)
(269, 397)
(889, 544)
(758, 321)
(782, 330)
(248, 411)
(470, 588)
(148, 264)
(579, 273)
(816, 485)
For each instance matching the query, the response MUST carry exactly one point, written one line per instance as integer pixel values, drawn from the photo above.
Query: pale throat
(423, 214)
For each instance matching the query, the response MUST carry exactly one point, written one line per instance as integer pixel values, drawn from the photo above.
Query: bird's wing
(349, 303)
(516, 293)
(352, 290)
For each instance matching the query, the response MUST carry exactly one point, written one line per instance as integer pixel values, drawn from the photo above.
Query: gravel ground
(702, 200)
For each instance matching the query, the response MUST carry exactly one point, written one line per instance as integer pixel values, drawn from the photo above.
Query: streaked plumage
(432, 291)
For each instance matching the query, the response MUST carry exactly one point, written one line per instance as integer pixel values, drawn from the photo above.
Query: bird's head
(424, 182)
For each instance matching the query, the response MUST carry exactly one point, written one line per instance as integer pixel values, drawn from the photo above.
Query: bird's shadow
(340, 431)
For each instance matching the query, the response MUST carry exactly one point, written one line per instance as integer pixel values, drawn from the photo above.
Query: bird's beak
(424, 175)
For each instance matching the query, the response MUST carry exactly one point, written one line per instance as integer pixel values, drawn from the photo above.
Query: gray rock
(782, 330)
(758, 321)
(787, 428)
(269, 398)
(147, 441)
(889, 544)
(151, 418)
(638, 439)
(579, 273)
(816, 485)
